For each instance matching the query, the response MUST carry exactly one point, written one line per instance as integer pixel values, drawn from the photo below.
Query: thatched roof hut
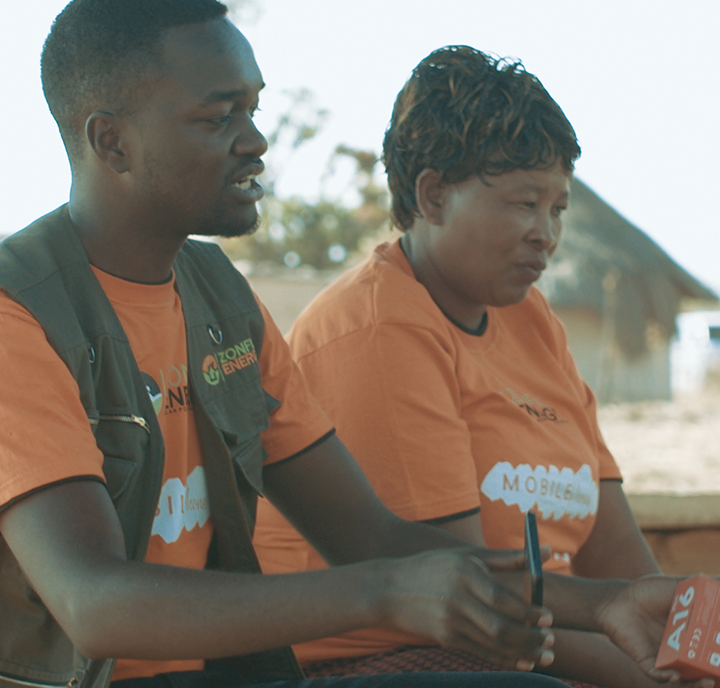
(614, 273)
(601, 253)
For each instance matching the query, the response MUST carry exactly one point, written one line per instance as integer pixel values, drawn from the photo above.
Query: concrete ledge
(659, 511)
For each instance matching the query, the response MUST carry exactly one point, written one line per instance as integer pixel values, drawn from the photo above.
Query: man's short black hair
(97, 50)
(465, 113)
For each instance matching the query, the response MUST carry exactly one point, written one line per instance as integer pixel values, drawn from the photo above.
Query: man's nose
(250, 141)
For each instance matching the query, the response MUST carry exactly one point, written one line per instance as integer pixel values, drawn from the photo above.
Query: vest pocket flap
(241, 413)
(248, 456)
(118, 474)
(241, 417)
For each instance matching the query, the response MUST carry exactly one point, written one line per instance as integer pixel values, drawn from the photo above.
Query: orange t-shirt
(37, 385)
(442, 420)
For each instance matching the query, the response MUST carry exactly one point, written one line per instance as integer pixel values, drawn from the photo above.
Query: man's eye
(559, 210)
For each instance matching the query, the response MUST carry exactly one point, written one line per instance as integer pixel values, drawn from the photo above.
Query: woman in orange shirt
(443, 368)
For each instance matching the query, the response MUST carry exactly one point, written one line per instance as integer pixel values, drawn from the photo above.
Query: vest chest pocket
(123, 438)
(241, 416)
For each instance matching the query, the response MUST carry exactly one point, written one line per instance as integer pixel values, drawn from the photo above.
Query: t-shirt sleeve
(299, 421)
(46, 436)
(607, 466)
(391, 390)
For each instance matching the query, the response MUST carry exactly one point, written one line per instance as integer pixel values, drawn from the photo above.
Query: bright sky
(637, 78)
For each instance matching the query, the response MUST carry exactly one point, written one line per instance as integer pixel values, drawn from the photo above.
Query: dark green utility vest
(46, 270)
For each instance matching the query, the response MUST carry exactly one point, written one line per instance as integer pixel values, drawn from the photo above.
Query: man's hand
(634, 618)
(451, 597)
(446, 593)
(69, 543)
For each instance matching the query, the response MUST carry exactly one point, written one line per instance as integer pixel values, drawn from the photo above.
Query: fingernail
(546, 658)
(549, 640)
(525, 665)
(546, 619)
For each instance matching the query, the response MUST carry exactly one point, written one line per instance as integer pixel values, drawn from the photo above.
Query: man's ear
(430, 195)
(102, 130)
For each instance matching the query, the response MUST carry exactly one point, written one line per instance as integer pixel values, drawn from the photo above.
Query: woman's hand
(635, 617)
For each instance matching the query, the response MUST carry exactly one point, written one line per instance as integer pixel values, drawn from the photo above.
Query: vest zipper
(34, 684)
(129, 418)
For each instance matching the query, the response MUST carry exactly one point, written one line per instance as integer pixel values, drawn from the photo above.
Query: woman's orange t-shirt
(443, 421)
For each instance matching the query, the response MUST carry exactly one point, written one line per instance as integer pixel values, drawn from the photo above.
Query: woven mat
(405, 659)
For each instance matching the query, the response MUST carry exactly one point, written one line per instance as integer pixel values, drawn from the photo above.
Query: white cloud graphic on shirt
(181, 507)
(554, 492)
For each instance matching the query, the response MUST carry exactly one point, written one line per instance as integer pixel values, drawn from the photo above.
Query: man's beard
(215, 228)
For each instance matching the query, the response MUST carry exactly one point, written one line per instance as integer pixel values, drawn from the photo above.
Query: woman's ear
(430, 195)
(102, 130)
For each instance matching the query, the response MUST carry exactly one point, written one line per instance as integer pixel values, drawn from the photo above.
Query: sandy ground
(667, 446)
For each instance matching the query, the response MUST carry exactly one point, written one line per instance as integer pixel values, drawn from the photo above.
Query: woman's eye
(220, 121)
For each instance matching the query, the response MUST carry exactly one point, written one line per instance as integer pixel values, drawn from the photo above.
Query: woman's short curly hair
(464, 113)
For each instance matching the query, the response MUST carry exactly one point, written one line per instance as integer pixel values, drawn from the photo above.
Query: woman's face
(493, 239)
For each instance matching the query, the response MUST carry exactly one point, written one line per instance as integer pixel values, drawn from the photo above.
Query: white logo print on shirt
(556, 493)
(181, 507)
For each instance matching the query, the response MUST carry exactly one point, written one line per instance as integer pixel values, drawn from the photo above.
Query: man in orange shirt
(148, 398)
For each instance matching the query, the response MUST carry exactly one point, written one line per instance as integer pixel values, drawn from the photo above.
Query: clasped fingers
(453, 598)
(481, 627)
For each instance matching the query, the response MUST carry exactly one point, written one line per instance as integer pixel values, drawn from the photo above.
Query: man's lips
(243, 178)
(246, 183)
(246, 187)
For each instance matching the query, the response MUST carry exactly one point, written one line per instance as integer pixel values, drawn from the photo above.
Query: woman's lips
(531, 272)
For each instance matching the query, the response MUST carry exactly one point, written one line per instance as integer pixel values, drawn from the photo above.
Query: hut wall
(612, 376)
